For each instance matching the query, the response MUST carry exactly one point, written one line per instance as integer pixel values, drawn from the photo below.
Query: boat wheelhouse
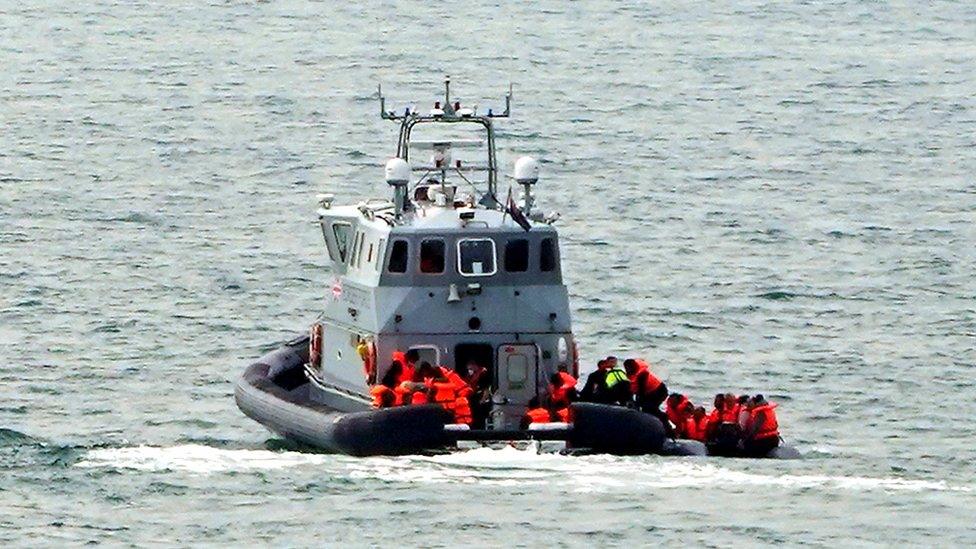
(446, 266)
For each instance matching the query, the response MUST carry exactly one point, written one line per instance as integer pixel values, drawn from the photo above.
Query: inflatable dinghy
(275, 392)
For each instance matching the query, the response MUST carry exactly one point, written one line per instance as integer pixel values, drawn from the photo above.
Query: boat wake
(507, 466)
(195, 458)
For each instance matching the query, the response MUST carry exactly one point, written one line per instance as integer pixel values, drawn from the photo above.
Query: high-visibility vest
(615, 376)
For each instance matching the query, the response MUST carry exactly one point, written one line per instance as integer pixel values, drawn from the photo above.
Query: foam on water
(507, 466)
(195, 458)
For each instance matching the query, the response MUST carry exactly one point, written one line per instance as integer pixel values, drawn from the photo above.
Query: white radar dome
(397, 171)
(526, 170)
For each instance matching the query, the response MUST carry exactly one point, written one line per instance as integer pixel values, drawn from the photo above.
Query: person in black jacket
(594, 390)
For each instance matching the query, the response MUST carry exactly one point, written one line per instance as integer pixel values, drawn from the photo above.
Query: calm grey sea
(762, 196)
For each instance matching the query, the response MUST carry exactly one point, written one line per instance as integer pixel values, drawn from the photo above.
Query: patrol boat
(449, 268)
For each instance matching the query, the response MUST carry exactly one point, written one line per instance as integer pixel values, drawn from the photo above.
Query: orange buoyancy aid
(730, 413)
(676, 413)
(403, 390)
(696, 430)
(538, 415)
(567, 383)
(378, 391)
(462, 410)
(419, 397)
(461, 387)
(445, 392)
(406, 373)
(563, 415)
(770, 426)
(652, 381)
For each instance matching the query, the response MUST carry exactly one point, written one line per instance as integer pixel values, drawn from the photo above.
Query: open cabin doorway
(482, 354)
(479, 353)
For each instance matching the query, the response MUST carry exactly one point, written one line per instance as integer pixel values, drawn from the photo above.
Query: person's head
(425, 370)
(757, 400)
(556, 380)
(412, 356)
(744, 399)
(699, 412)
(393, 374)
(563, 367)
(611, 361)
(688, 407)
(719, 401)
(674, 399)
(730, 399)
(473, 366)
(631, 366)
(534, 402)
(602, 365)
(387, 398)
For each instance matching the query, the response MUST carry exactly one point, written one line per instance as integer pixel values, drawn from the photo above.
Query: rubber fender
(615, 430)
(392, 431)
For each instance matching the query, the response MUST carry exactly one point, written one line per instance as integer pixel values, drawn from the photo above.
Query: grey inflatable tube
(615, 430)
(274, 392)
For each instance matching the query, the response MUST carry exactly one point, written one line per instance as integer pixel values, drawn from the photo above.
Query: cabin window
(517, 256)
(355, 248)
(342, 232)
(428, 353)
(476, 256)
(547, 255)
(328, 245)
(362, 247)
(399, 256)
(379, 253)
(432, 256)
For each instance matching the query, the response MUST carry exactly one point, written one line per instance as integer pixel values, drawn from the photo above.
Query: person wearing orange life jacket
(715, 416)
(409, 361)
(388, 385)
(449, 390)
(383, 396)
(676, 411)
(761, 434)
(564, 414)
(535, 414)
(696, 426)
(439, 387)
(649, 390)
(560, 384)
(730, 413)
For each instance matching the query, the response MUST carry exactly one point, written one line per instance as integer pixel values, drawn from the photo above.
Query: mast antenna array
(449, 110)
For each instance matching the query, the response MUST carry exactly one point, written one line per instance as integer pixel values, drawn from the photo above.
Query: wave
(508, 466)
